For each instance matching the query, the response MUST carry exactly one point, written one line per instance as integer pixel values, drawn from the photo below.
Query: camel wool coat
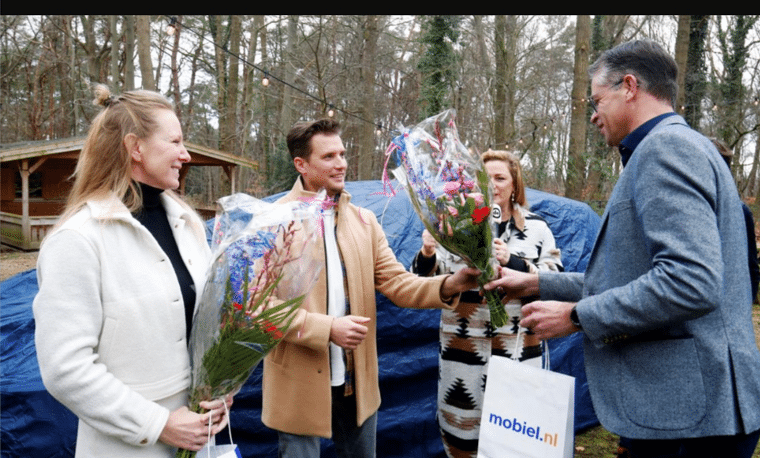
(297, 396)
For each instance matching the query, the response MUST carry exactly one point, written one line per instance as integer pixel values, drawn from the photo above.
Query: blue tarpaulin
(35, 425)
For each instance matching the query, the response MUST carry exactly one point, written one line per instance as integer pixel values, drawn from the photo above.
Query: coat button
(144, 441)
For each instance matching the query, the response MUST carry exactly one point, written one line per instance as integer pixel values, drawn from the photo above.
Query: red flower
(237, 305)
(272, 329)
(479, 214)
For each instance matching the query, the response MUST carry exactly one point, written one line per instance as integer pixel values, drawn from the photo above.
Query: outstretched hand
(513, 284)
(460, 281)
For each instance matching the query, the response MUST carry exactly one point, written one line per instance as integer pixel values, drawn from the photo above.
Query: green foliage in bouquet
(449, 189)
(463, 228)
(243, 342)
(264, 265)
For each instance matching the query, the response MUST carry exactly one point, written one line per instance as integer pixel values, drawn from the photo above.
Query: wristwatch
(574, 318)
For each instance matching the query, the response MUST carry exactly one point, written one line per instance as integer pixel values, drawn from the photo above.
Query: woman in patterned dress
(522, 241)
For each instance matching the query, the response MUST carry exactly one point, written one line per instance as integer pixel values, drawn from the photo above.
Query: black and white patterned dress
(467, 339)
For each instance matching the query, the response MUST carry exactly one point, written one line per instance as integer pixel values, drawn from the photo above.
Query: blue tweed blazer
(665, 302)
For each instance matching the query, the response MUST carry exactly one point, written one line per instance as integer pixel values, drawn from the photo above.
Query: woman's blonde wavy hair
(105, 166)
(513, 164)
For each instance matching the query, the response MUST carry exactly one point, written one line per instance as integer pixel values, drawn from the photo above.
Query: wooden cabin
(42, 169)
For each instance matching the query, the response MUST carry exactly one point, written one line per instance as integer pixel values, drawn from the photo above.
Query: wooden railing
(12, 232)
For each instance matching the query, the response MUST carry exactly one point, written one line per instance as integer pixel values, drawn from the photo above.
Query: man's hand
(349, 331)
(460, 281)
(514, 284)
(548, 319)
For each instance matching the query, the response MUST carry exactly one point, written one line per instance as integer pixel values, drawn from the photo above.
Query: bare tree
(576, 164)
(366, 109)
(505, 50)
(514, 84)
(129, 52)
(731, 104)
(288, 113)
(142, 26)
(227, 50)
(681, 57)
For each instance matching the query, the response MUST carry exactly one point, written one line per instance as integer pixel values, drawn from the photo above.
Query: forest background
(240, 82)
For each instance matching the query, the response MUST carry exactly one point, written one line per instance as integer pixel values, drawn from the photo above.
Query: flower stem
(498, 312)
(182, 453)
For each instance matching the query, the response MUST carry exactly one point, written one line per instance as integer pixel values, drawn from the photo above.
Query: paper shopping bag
(527, 412)
(220, 451)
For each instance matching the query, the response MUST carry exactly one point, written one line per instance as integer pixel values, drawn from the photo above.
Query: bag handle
(229, 426)
(229, 423)
(545, 360)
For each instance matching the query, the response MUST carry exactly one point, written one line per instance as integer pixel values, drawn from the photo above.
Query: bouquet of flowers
(448, 187)
(263, 264)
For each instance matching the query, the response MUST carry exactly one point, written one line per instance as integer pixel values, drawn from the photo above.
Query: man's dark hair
(299, 137)
(653, 67)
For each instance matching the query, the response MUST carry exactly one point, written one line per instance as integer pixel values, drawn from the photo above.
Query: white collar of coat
(113, 208)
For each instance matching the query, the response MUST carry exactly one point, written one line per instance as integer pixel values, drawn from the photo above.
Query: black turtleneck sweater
(152, 215)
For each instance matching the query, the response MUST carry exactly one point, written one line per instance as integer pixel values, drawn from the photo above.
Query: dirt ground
(14, 262)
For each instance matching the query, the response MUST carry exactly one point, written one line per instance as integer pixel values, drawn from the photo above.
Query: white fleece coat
(110, 324)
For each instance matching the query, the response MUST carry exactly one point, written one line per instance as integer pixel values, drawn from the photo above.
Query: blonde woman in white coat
(117, 281)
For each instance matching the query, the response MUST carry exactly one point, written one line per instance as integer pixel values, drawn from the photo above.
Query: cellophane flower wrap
(449, 190)
(263, 264)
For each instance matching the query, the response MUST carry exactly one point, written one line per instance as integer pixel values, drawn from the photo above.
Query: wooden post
(26, 227)
(26, 224)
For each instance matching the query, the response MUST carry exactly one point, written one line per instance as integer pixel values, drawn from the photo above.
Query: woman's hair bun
(103, 96)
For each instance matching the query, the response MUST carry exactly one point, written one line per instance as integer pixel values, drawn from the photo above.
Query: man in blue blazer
(664, 304)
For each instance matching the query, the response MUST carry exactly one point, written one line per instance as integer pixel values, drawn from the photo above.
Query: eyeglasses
(595, 103)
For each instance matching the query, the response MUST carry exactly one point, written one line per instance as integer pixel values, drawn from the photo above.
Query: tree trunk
(367, 98)
(227, 50)
(176, 90)
(288, 114)
(263, 142)
(499, 89)
(732, 109)
(755, 161)
(129, 52)
(694, 77)
(230, 143)
(576, 162)
(505, 44)
(682, 57)
(113, 25)
(65, 83)
(142, 25)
